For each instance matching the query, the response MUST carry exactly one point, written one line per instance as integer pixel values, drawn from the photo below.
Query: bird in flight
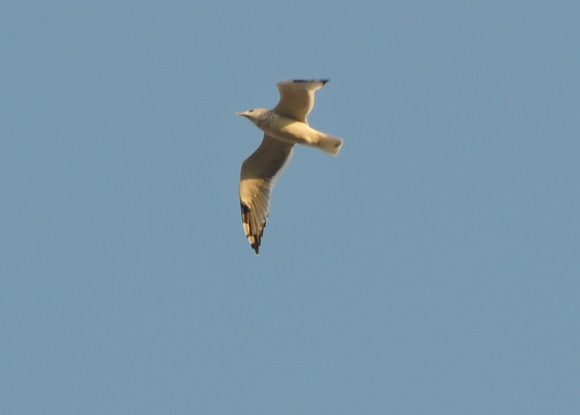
(283, 126)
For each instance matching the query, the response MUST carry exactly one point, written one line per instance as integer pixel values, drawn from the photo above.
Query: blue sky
(432, 267)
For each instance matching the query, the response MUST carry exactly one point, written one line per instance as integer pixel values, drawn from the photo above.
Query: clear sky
(431, 268)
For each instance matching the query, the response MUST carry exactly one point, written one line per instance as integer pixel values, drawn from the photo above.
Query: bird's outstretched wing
(297, 97)
(258, 177)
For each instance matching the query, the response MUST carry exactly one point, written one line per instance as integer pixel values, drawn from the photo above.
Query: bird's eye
(251, 110)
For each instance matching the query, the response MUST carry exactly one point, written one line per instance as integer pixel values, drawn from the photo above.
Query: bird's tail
(329, 144)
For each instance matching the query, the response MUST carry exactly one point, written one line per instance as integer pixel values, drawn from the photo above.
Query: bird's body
(283, 126)
(297, 132)
(292, 131)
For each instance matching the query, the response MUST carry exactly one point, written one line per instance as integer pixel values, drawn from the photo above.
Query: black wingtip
(257, 238)
(324, 81)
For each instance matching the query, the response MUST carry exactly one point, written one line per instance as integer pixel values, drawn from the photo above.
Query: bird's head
(257, 115)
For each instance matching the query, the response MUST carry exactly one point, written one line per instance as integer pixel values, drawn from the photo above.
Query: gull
(283, 126)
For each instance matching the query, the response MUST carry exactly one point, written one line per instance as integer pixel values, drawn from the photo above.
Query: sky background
(432, 267)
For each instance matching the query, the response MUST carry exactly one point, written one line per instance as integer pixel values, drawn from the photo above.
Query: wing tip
(301, 81)
(253, 238)
(311, 80)
(256, 244)
(256, 247)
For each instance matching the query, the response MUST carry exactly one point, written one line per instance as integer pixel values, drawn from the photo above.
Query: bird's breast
(287, 129)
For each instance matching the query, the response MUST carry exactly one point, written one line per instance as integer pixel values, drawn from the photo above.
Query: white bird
(283, 126)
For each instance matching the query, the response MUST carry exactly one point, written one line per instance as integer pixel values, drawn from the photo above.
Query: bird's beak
(243, 114)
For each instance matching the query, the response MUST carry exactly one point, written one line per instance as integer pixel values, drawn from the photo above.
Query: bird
(283, 126)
